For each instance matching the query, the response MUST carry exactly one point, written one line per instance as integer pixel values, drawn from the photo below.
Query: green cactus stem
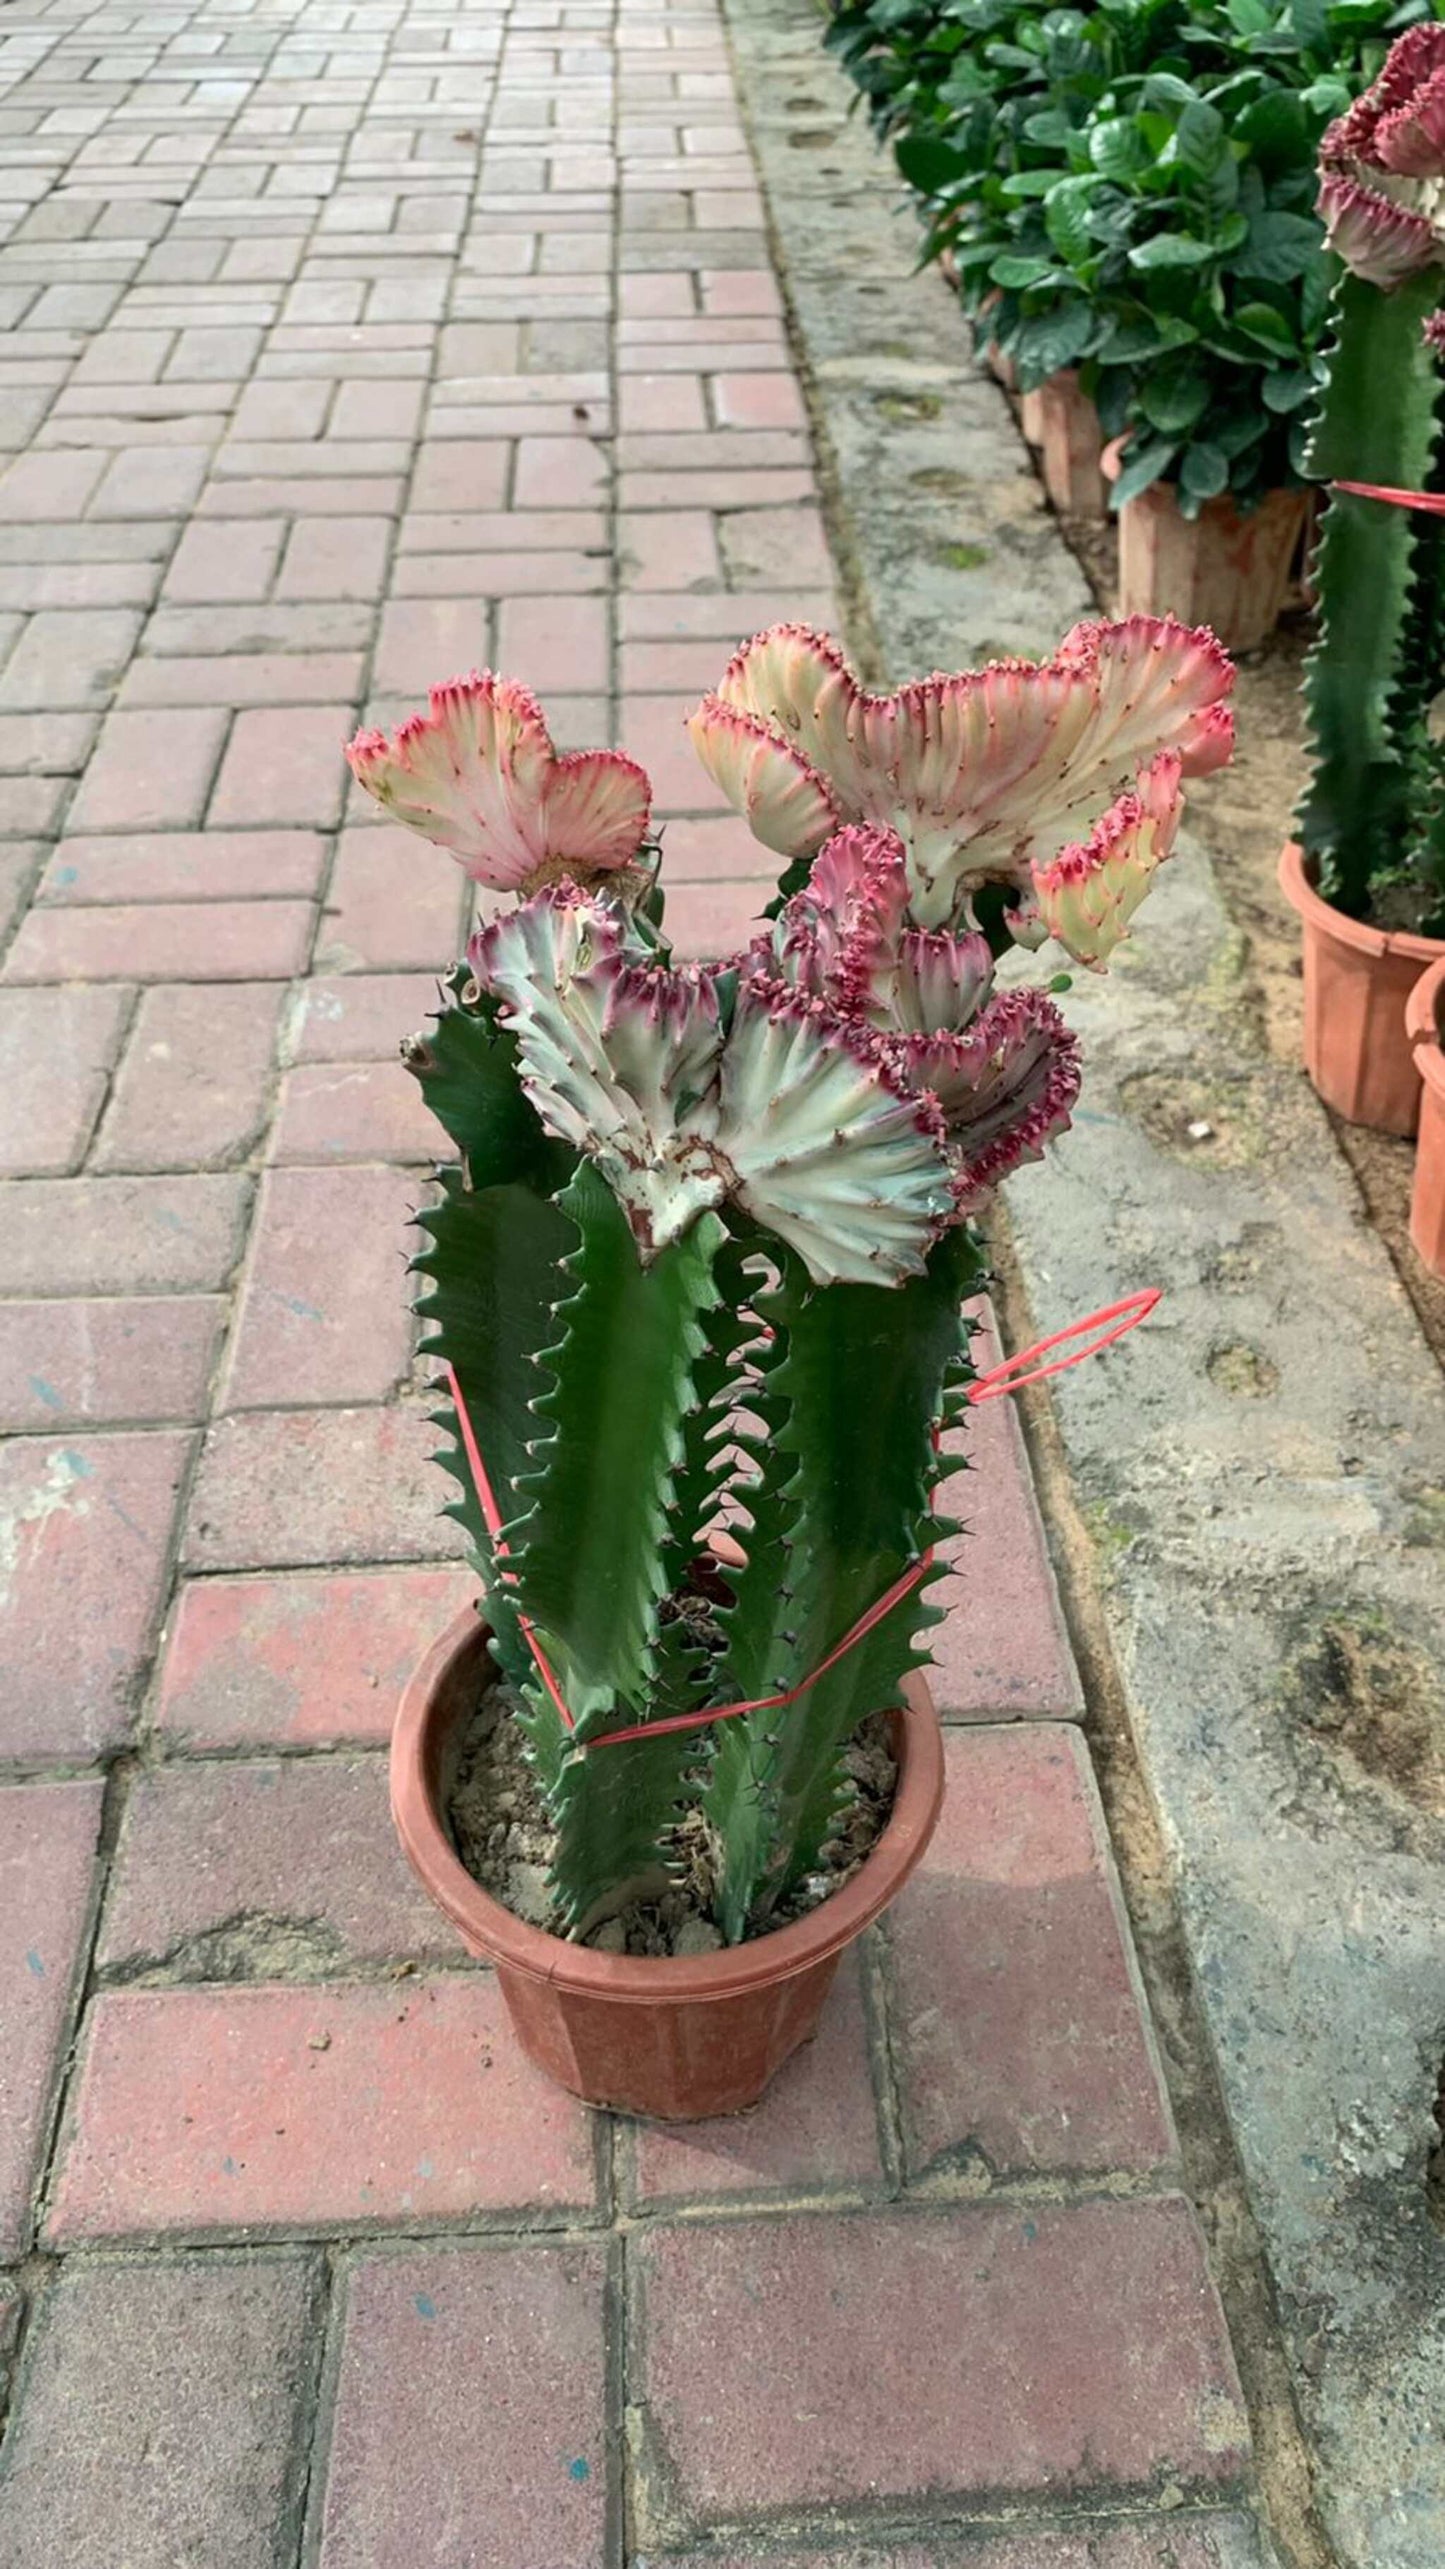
(1370, 813)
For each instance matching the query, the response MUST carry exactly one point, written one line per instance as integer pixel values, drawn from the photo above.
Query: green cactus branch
(611, 1442)
(1375, 668)
(854, 1511)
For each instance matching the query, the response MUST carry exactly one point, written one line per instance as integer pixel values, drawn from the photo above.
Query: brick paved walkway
(349, 346)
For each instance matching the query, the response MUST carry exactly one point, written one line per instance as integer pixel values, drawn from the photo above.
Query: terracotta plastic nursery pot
(1425, 1027)
(1358, 980)
(673, 2037)
(1002, 368)
(1073, 444)
(1226, 568)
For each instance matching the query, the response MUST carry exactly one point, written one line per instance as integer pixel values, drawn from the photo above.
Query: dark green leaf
(1042, 347)
(1116, 148)
(1066, 209)
(1288, 388)
(1171, 250)
(1281, 247)
(1277, 130)
(1020, 273)
(1174, 395)
(1143, 466)
(1261, 321)
(929, 164)
(1204, 472)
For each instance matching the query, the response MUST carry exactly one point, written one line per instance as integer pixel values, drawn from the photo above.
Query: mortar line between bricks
(130, 1015)
(514, 2224)
(614, 2402)
(876, 1962)
(317, 2418)
(112, 1811)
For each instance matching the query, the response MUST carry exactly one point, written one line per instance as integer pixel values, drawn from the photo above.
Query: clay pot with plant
(1127, 198)
(1367, 871)
(695, 1283)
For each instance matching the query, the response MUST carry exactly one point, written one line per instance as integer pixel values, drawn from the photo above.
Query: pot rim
(1312, 907)
(650, 1979)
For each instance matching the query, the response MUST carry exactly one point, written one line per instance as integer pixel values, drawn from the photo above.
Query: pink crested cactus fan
(477, 773)
(984, 777)
(689, 1090)
(1382, 165)
(854, 1082)
(998, 1068)
(707, 1247)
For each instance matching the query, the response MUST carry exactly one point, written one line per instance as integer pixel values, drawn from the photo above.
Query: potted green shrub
(1127, 195)
(697, 1274)
(1367, 872)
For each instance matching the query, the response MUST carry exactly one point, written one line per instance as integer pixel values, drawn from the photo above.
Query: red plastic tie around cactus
(1433, 501)
(1125, 1315)
(1002, 1378)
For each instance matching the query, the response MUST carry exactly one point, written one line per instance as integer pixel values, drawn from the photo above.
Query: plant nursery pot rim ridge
(1295, 882)
(1425, 1025)
(645, 1979)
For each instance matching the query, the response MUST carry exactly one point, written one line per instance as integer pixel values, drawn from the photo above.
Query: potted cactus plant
(1367, 873)
(696, 1282)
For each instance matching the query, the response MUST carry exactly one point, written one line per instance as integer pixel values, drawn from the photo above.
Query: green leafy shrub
(1130, 190)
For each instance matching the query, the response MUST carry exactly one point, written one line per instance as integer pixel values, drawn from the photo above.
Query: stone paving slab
(48, 1876)
(488, 2368)
(161, 2405)
(1055, 2349)
(346, 346)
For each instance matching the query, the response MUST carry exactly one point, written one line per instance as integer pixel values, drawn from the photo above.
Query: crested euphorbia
(984, 776)
(1382, 165)
(707, 1247)
(477, 773)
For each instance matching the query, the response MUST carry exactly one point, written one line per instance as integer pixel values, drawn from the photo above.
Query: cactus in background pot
(1368, 873)
(702, 1257)
(1373, 823)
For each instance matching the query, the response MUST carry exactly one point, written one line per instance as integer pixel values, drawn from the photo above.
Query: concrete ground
(348, 346)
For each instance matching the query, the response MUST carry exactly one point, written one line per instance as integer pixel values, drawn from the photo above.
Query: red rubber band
(1433, 501)
(1125, 1315)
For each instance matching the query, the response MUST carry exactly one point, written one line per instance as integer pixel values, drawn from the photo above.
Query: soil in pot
(500, 1829)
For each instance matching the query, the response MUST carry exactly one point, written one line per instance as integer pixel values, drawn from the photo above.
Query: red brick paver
(162, 2398)
(221, 2109)
(346, 349)
(48, 1836)
(472, 2393)
(1029, 2348)
(299, 1662)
